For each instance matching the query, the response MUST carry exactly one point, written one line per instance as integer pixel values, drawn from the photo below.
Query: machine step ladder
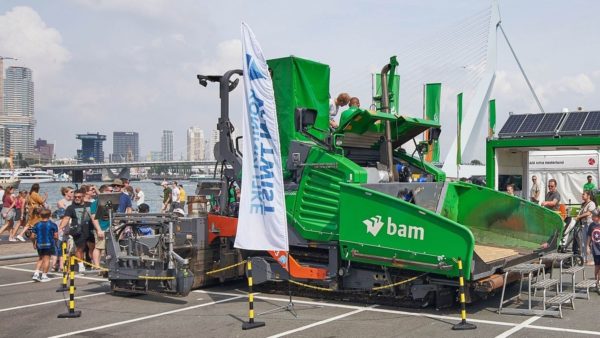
(583, 288)
(559, 300)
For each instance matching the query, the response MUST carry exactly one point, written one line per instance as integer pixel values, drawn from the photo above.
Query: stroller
(571, 239)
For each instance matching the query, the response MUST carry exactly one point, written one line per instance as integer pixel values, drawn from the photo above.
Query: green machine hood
(363, 128)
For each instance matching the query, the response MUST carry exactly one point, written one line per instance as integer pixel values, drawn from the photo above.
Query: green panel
(394, 93)
(298, 83)
(459, 111)
(498, 219)
(438, 174)
(316, 211)
(407, 232)
(404, 128)
(433, 94)
(492, 118)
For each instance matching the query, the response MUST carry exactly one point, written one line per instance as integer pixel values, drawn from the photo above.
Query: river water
(153, 193)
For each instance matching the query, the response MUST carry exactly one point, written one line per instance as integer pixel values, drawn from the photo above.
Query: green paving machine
(364, 211)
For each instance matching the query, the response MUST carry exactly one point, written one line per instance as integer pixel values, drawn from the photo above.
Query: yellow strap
(90, 264)
(226, 268)
(397, 283)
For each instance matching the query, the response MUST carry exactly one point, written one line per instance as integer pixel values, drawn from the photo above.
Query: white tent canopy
(569, 168)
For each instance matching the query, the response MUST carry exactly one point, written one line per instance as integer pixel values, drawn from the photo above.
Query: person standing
(552, 199)
(45, 233)
(100, 213)
(166, 197)
(140, 198)
(534, 192)
(585, 217)
(35, 203)
(20, 214)
(589, 186)
(174, 197)
(79, 218)
(182, 196)
(125, 205)
(593, 243)
(8, 211)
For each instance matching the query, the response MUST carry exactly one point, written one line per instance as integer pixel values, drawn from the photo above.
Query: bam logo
(374, 225)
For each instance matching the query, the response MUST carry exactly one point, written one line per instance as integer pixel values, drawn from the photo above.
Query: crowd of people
(587, 241)
(77, 219)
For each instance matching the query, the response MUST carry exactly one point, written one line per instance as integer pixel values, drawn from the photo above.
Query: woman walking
(19, 213)
(8, 211)
(35, 203)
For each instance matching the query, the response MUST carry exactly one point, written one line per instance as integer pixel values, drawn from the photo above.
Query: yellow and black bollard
(251, 324)
(63, 286)
(72, 313)
(463, 325)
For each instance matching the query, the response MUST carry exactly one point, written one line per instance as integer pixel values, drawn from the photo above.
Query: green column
(492, 119)
(433, 93)
(459, 101)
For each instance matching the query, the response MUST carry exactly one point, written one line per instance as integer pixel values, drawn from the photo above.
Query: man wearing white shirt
(139, 196)
(175, 196)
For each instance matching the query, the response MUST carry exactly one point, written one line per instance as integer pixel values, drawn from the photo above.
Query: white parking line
(51, 302)
(145, 317)
(31, 271)
(17, 283)
(518, 327)
(413, 314)
(21, 264)
(325, 321)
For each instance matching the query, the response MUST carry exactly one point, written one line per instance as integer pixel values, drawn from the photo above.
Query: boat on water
(200, 177)
(30, 176)
(8, 179)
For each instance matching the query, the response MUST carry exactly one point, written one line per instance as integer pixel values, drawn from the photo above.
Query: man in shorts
(82, 223)
(100, 213)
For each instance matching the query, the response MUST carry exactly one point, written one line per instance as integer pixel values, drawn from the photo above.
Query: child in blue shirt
(44, 235)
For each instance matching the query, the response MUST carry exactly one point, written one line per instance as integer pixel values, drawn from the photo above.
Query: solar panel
(592, 123)
(550, 123)
(574, 122)
(531, 123)
(512, 124)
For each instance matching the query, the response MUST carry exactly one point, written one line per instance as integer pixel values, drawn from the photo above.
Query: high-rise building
(18, 109)
(166, 145)
(43, 150)
(4, 142)
(195, 144)
(125, 147)
(214, 139)
(154, 156)
(91, 148)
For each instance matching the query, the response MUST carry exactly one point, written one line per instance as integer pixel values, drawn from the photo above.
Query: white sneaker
(36, 277)
(12, 240)
(21, 238)
(44, 279)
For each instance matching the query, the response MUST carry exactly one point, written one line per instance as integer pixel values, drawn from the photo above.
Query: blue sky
(110, 65)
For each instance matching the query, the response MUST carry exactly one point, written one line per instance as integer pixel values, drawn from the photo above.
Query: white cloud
(228, 56)
(24, 35)
(152, 8)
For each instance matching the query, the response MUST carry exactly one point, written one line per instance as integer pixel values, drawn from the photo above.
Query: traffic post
(63, 286)
(72, 313)
(251, 324)
(463, 325)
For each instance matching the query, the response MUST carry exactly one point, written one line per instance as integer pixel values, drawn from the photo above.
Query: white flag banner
(262, 223)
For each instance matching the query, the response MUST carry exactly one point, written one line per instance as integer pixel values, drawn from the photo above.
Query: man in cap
(124, 199)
